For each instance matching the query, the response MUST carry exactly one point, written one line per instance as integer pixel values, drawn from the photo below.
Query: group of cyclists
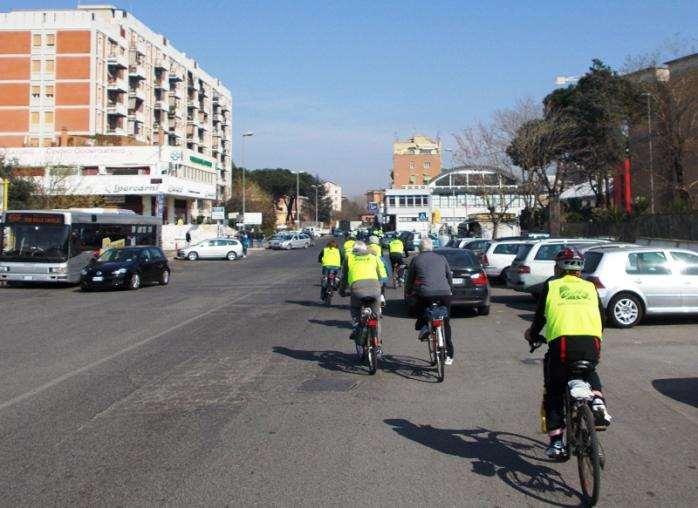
(569, 316)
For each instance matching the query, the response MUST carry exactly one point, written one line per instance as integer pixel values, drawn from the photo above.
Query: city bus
(54, 245)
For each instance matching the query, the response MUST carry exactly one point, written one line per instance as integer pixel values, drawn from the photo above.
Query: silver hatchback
(634, 281)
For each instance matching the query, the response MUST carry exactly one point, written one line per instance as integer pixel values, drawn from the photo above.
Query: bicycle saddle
(582, 367)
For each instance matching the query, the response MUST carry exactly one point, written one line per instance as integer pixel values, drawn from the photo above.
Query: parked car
(457, 243)
(535, 262)
(126, 267)
(215, 248)
(499, 256)
(478, 246)
(470, 284)
(290, 241)
(634, 282)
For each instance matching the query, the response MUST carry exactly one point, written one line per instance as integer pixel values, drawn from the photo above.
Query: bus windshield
(42, 243)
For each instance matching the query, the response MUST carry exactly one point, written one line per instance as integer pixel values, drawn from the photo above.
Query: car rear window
(523, 251)
(591, 261)
(460, 258)
(547, 252)
(507, 248)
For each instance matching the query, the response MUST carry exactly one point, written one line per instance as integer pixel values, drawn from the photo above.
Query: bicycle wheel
(431, 346)
(588, 461)
(441, 365)
(328, 298)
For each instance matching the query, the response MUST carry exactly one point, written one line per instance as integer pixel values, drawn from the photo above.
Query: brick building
(416, 161)
(84, 80)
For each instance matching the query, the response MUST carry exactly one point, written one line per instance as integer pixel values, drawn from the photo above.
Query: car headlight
(120, 272)
(57, 269)
(83, 271)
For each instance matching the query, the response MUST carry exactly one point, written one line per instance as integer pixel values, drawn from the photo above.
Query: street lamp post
(242, 163)
(298, 195)
(316, 210)
(649, 137)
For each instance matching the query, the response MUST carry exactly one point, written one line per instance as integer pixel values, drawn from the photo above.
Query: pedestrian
(245, 243)
(187, 238)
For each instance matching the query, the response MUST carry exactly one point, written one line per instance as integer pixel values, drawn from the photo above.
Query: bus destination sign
(35, 218)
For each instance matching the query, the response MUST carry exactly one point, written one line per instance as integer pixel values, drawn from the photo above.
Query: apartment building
(416, 161)
(334, 192)
(82, 81)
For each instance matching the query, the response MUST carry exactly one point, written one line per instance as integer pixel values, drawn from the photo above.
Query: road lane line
(85, 368)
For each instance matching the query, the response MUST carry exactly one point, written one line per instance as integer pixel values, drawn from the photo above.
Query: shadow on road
(682, 389)
(318, 303)
(403, 366)
(336, 323)
(518, 302)
(516, 460)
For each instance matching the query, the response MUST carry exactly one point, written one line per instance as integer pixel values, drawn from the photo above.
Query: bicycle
(435, 342)
(329, 284)
(369, 340)
(580, 438)
(398, 274)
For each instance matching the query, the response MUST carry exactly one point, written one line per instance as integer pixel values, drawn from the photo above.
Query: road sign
(218, 213)
(423, 217)
(372, 207)
(253, 218)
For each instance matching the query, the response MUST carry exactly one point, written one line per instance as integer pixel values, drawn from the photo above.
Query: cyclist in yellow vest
(361, 274)
(349, 243)
(571, 313)
(331, 259)
(397, 257)
(374, 247)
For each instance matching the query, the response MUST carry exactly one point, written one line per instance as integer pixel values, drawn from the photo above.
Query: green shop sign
(201, 161)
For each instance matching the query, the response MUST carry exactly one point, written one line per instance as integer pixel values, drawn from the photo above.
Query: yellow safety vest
(375, 249)
(396, 246)
(572, 308)
(348, 246)
(366, 267)
(331, 257)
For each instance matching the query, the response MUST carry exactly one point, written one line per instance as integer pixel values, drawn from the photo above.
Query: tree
(20, 190)
(675, 119)
(539, 148)
(352, 209)
(57, 190)
(256, 200)
(600, 107)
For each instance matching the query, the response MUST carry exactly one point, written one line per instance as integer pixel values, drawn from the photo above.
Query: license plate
(97, 279)
(458, 280)
(28, 277)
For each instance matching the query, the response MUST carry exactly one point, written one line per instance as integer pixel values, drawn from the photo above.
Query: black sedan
(127, 267)
(470, 284)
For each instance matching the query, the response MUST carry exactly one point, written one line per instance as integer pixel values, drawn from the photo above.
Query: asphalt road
(234, 386)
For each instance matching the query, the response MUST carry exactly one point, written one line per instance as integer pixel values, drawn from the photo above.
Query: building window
(34, 119)
(413, 179)
(48, 91)
(50, 40)
(401, 200)
(49, 66)
(36, 40)
(36, 91)
(411, 164)
(427, 165)
(426, 178)
(48, 117)
(36, 65)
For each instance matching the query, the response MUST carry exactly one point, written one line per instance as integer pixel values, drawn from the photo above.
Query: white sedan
(290, 241)
(216, 248)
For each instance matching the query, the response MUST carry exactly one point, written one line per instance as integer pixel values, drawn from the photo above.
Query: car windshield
(119, 255)
(43, 243)
(458, 258)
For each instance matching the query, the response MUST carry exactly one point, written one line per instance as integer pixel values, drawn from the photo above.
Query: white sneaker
(382, 300)
(449, 361)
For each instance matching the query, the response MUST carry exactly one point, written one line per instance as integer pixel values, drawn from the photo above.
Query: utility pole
(242, 163)
(316, 210)
(649, 137)
(298, 215)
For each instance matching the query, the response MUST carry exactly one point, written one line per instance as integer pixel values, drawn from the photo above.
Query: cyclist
(361, 274)
(571, 312)
(397, 256)
(349, 243)
(331, 259)
(430, 280)
(374, 248)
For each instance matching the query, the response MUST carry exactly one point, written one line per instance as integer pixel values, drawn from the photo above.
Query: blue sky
(326, 85)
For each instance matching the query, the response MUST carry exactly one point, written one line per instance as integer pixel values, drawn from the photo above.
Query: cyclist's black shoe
(423, 333)
(556, 450)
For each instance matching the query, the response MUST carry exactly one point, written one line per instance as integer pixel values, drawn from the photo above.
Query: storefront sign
(218, 213)
(200, 161)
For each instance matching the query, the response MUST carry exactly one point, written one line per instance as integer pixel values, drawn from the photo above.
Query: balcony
(116, 108)
(136, 71)
(117, 61)
(160, 106)
(116, 130)
(175, 127)
(192, 105)
(137, 93)
(160, 64)
(174, 113)
(117, 85)
(162, 85)
(136, 116)
(191, 129)
(174, 76)
(216, 118)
